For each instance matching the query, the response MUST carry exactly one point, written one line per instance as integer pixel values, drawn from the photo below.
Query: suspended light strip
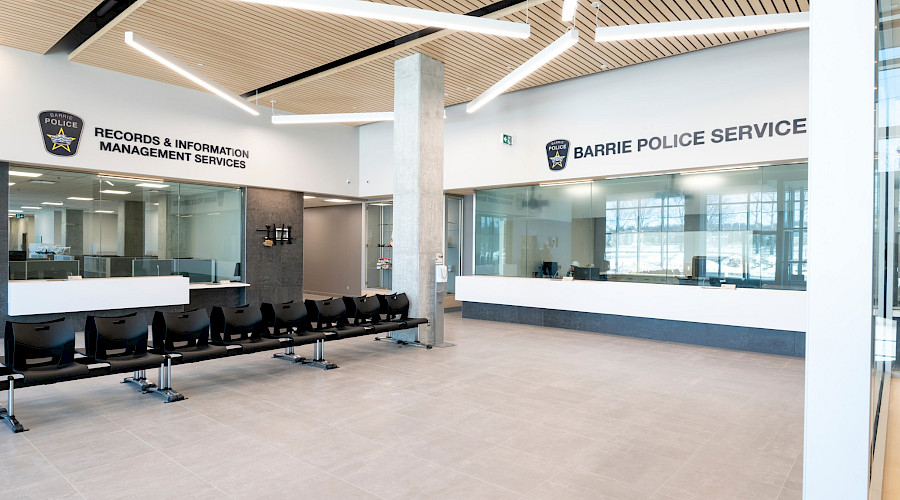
(407, 15)
(386, 116)
(717, 170)
(564, 183)
(703, 27)
(530, 66)
(568, 10)
(167, 60)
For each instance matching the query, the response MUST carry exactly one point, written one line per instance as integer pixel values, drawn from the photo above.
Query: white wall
(838, 344)
(318, 158)
(759, 80)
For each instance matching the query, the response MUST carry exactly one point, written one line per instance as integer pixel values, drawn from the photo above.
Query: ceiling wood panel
(474, 62)
(243, 46)
(37, 25)
(246, 46)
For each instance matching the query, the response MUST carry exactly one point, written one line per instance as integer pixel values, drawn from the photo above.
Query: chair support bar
(8, 413)
(319, 357)
(164, 389)
(400, 343)
(140, 380)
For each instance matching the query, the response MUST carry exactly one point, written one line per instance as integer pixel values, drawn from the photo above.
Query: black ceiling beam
(90, 25)
(488, 9)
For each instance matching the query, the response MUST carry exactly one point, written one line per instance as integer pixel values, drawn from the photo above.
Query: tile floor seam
(194, 473)
(54, 468)
(485, 481)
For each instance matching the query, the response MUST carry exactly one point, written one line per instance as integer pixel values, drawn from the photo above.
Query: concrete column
(131, 229)
(73, 231)
(418, 183)
(841, 186)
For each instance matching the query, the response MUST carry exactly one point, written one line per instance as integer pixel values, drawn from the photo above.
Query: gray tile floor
(512, 411)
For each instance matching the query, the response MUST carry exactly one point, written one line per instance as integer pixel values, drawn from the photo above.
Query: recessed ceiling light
(602, 66)
(12, 183)
(308, 197)
(156, 204)
(15, 211)
(78, 198)
(36, 181)
(214, 213)
(54, 203)
(32, 208)
(113, 191)
(151, 185)
(103, 212)
(110, 183)
(337, 200)
(24, 174)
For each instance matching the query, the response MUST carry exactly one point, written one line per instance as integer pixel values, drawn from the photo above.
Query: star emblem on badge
(557, 160)
(61, 140)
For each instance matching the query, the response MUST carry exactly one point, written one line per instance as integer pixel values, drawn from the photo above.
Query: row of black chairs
(44, 353)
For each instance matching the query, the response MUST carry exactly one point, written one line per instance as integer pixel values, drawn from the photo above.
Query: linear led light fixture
(32, 208)
(703, 27)
(717, 170)
(556, 48)
(386, 116)
(53, 203)
(18, 173)
(104, 212)
(338, 200)
(132, 179)
(151, 185)
(568, 10)
(406, 15)
(565, 183)
(79, 198)
(113, 191)
(164, 58)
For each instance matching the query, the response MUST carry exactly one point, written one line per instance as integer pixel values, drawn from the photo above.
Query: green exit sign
(507, 139)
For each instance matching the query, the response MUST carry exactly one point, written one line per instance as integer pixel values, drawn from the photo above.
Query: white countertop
(59, 296)
(749, 307)
(204, 286)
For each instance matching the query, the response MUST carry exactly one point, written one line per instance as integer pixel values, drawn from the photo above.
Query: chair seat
(303, 338)
(348, 332)
(54, 374)
(408, 323)
(128, 363)
(260, 344)
(199, 353)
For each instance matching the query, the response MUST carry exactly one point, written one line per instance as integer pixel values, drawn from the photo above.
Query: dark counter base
(781, 342)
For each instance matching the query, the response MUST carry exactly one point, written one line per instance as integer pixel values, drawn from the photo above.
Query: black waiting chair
(330, 316)
(41, 354)
(121, 342)
(244, 326)
(365, 312)
(291, 319)
(395, 310)
(187, 334)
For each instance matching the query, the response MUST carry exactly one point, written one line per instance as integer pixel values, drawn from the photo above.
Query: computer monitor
(581, 273)
(549, 268)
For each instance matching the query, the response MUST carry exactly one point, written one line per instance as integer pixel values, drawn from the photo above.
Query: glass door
(379, 244)
(453, 211)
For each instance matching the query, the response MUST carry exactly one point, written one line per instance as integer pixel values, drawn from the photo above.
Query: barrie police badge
(557, 154)
(61, 132)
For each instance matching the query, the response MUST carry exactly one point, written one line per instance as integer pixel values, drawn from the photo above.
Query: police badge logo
(61, 132)
(557, 154)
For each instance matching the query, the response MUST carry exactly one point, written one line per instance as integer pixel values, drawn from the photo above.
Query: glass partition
(745, 227)
(379, 244)
(65, 223)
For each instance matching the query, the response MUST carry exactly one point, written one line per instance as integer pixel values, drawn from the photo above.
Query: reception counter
(760, 320)
(29, 297)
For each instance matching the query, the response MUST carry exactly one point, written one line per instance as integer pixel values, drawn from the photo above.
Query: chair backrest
(330, 312)
(29, 345)
(172, 330)
(362, 309)
(128, 332)
(237, 323)
(288, 315)
(394, 306)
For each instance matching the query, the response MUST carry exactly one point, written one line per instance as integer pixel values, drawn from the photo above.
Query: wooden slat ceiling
(244, 46)
(37, 25)
(475, 62)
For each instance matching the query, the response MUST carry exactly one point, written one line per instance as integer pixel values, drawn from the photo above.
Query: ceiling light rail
(405, 15)
(711, 26)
